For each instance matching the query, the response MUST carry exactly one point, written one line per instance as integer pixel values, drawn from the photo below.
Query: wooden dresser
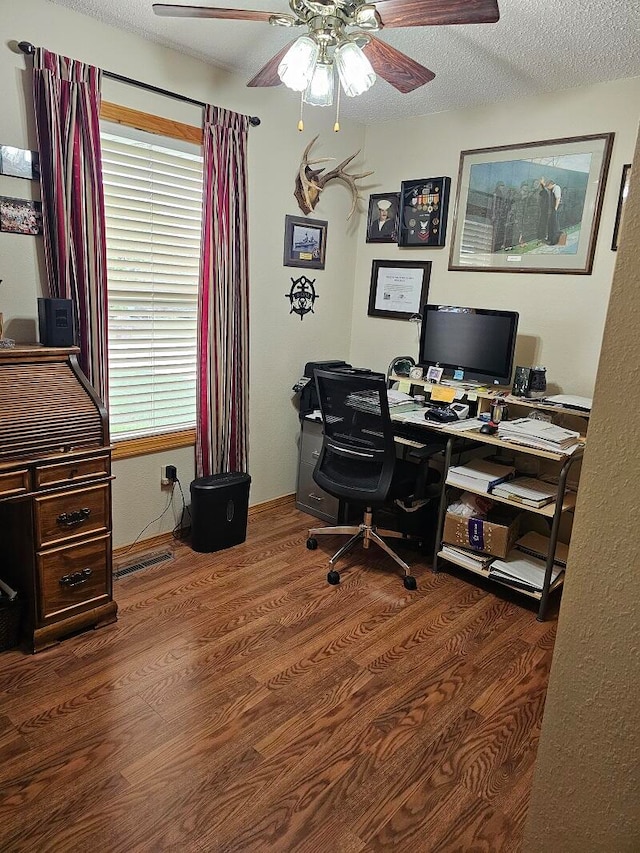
(55, 494)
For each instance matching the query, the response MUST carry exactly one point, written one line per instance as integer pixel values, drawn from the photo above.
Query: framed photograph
(305, 242)
(622, 197)
(382, 218)
(19, 216)
(434, 374)
(424, 206)
(398, 288)
(19, 163)
(530, 208)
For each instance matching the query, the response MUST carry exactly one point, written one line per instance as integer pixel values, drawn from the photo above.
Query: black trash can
(219, 508)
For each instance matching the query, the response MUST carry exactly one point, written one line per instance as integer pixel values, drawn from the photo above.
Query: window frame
(129, 447)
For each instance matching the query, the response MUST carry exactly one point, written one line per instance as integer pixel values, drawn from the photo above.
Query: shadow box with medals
(424, 205)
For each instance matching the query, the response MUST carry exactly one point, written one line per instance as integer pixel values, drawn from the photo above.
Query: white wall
(280, 343)
(561, 316)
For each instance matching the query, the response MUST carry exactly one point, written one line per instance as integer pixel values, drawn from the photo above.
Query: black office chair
(357, 462)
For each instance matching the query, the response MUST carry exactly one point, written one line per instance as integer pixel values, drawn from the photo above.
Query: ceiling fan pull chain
(300, 122)
(336, 126)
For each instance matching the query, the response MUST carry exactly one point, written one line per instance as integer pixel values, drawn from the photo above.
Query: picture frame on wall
(382, 218)
(305, 242)
(532, 208)
(20, 216)
(19, 163)
(622, 197)
(424, 209)
(398, 289)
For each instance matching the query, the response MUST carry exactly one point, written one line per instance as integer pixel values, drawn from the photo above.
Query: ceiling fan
(338, 32)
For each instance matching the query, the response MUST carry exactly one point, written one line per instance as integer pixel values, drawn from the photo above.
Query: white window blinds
(153, 198)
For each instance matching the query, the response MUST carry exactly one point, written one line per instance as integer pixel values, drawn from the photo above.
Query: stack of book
(527, 491)
(532, 432)
(469, 559)
(522, 571)
(479, 475)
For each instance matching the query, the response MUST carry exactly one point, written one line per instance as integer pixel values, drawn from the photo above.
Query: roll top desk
(55, 494)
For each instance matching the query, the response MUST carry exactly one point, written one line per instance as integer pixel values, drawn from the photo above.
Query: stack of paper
(369, 401)
(570, 401)
(522, 571)
(532, 432)
(537, 545)
(527, 491)
(470, 559)
(479, 475)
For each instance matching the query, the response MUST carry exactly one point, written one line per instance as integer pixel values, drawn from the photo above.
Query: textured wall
(586, 793)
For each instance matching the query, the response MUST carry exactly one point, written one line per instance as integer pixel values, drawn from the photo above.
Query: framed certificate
(398, 288)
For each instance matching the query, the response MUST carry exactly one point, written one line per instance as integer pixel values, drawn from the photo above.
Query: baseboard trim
(163, 539)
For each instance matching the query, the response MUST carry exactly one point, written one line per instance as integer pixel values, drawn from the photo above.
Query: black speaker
(55, 321)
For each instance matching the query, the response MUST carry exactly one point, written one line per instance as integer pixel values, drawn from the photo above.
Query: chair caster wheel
(333, 577)
(410, 582)
(312, 544)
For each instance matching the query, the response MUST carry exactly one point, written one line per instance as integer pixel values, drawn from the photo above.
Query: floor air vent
(143, 561)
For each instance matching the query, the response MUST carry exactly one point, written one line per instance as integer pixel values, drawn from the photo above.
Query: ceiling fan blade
(268, 74)
(417, 13)
(404, 73)
(168, 10)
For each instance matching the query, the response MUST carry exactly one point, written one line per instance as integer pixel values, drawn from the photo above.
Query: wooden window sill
(153, 444)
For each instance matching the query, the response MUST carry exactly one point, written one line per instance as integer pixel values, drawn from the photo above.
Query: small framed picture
(305, 242)
(434, 374)
(19, 216)
(398, 288)
(382, 218)
(19, 163)
(424, 208)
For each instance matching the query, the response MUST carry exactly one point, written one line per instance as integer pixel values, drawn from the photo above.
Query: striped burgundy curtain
(67, 108)
(223, 305)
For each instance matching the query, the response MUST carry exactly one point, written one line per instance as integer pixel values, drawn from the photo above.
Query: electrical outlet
(164, 480)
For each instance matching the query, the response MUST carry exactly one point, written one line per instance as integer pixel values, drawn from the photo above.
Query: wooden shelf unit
(552, 512)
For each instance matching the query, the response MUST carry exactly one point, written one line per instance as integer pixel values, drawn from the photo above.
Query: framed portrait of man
(382, 218)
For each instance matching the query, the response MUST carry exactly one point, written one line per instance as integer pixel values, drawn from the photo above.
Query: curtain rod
(29, 49)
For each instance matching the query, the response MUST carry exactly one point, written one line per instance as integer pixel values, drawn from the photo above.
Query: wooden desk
(55, 494)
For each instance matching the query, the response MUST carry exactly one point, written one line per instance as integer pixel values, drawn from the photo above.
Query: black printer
(306, 385)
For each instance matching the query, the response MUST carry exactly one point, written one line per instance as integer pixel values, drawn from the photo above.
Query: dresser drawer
(73, 577)
(63, 473)
(14, 483)
(70, 515)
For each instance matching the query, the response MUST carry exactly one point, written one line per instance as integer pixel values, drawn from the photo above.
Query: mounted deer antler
(310, 182)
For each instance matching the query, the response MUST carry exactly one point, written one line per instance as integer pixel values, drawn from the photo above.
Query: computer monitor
(472, 344)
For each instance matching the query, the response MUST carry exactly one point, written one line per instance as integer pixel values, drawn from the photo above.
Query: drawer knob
(315, 497)
(71, 519)
(76, 578)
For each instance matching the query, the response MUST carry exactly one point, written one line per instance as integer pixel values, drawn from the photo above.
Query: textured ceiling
(537, 46)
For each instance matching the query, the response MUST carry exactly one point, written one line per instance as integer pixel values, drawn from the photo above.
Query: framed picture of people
(530, 208)
(382, 218)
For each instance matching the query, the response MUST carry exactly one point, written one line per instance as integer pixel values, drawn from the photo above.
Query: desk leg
(553, 538)
(443, 503)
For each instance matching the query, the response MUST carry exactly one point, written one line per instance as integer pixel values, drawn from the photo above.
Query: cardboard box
(488, 537)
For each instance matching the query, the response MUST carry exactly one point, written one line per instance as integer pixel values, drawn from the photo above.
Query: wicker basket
(10, 613)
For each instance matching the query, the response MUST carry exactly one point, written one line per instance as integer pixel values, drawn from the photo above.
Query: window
(153, 198)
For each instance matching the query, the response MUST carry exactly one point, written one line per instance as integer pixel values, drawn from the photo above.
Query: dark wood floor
(240, 703)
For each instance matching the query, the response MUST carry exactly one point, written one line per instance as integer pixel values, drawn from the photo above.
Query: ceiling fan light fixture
(367, 18)
(354, 69)
(319, 92)
(298, 64)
